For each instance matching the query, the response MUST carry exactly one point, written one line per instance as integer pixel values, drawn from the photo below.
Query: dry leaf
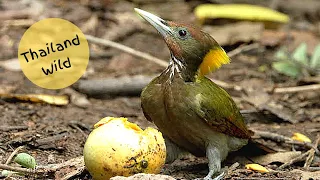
(256, 167)
(300, 137)
(239, 11)
(38, 98)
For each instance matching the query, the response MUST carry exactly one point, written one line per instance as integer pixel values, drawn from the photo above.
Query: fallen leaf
(256, 167)
(239, 11)
(300, 137)
(281, 157)
(38, 98)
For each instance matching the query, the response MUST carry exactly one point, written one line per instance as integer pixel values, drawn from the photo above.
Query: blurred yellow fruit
(117, 147)
(256, 167)
(300, 137)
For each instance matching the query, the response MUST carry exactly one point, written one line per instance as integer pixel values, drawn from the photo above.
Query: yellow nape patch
(212, 61)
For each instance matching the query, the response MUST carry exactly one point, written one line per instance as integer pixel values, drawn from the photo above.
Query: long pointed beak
(158, 23)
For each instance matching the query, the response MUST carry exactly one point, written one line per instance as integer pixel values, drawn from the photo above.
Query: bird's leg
(173, 151)
(214, 158)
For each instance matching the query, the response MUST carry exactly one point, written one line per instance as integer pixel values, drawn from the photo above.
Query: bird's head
(195, 50)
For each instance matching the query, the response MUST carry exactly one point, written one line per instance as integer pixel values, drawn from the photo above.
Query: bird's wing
(216, 107)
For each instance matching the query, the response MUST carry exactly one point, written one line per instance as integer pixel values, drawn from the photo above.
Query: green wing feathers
(216, 107)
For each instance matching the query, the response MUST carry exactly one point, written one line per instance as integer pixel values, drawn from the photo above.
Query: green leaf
(288, 68)
(315, 59)
(239, 11)
(282, 54)
(300, 54)
(25, 160)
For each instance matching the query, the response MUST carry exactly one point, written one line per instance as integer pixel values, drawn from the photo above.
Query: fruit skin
(117, 147)
(188, 108)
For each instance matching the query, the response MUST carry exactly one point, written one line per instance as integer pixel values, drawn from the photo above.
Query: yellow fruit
(256, 167)
(117, 147)
(300, 137)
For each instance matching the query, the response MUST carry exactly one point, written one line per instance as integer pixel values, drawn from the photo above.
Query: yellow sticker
(53, 53)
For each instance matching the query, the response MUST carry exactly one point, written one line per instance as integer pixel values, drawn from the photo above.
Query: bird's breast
(168, 105)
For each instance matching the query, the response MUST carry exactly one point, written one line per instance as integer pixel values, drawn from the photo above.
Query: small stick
(11, 128)
(311, 154)
(13, 154)
(126, 49)
(313, 169)
(243, 49)
(313, 87)
(73, 174)
(21, 170)
(280, 138)
(19, 22)
(300, 158)
(306, 144)
(232, 168)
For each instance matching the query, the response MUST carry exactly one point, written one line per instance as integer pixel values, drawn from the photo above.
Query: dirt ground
(55, 134)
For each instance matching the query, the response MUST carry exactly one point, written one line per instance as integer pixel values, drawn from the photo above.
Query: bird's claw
(209, 177)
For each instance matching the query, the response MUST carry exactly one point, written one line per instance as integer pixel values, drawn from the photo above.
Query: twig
(272, 136)
(313, 169)
(284, 139)
(126, 49)
(73, 174)
(21, 170)
(19, 22)
(11, 128)
(128, 85)
(243, 49)
(13, 154)
(311, 154)
(78, 161)
(309, 159)
(300, 158)
(312, 87)
(232, 168)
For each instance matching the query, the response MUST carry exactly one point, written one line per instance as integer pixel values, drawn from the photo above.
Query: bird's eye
(182, 33)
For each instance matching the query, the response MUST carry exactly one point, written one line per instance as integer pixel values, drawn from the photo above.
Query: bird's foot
(209, 176)
(219, 177)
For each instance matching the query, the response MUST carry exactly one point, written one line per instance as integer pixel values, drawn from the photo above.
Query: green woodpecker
(194, 113)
